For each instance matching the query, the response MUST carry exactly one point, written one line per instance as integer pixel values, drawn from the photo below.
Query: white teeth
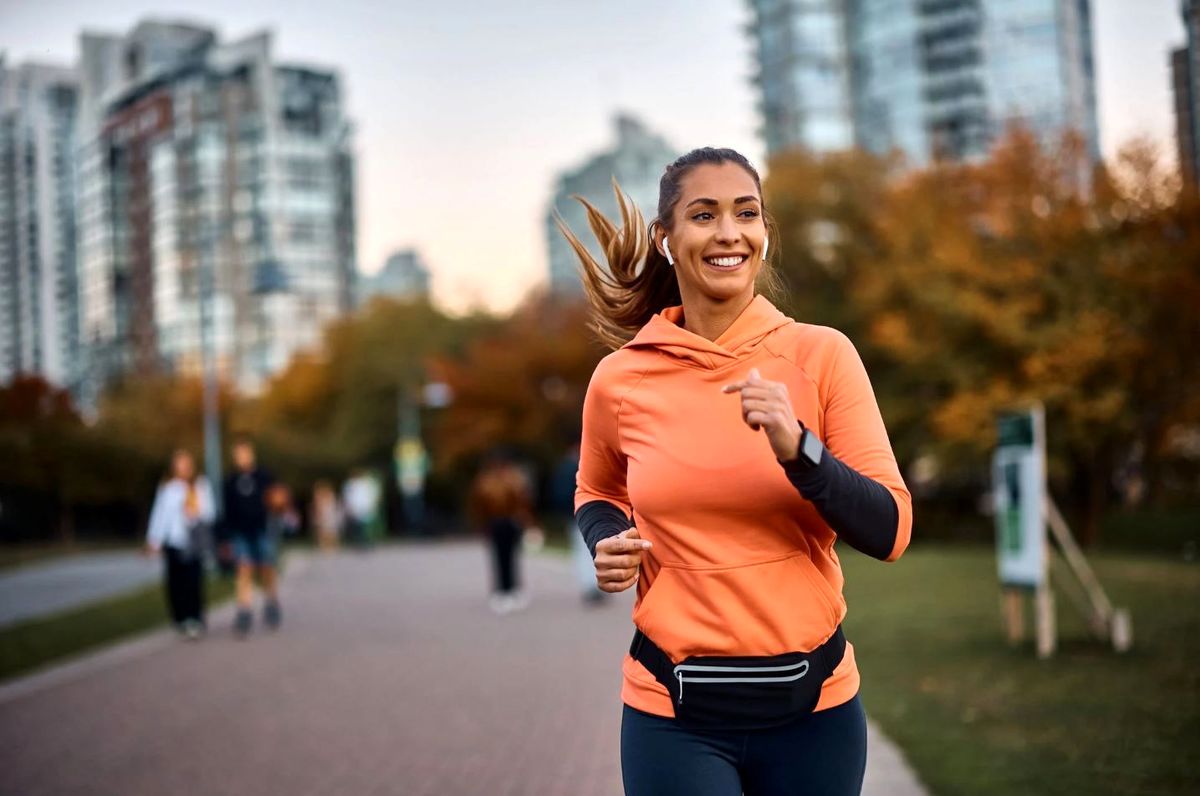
(725, 262)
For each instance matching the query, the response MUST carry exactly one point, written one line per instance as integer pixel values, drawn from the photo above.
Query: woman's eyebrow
(704, 200)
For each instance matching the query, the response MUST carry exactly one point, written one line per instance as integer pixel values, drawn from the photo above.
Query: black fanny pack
(742, 693)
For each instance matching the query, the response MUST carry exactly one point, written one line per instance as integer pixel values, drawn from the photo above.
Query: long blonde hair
(639, 281)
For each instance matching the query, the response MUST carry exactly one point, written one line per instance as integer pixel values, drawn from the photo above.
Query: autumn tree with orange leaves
(975, 288)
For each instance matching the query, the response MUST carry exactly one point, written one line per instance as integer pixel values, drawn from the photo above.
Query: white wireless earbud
(667, 251)
(766, 241)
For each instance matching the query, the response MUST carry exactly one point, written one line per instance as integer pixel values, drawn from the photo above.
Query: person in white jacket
(179, 527)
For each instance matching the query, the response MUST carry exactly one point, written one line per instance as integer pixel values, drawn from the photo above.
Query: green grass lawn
(975, 716)
(28, 645)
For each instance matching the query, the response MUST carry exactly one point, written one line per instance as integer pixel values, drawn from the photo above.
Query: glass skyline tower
(1185, 76)
(39, 306)
(929, 78)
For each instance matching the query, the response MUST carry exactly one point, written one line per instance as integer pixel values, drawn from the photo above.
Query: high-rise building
(38, 298)
(208, 168)
(803, 74)
(637, 161)
(1185, 76)
(403, 276)
(930, 78)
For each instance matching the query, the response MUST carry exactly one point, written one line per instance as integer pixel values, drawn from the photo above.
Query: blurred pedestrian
(360, 496)
(500, 505)
(326, 516)
(725, 449)
(256, 552)
(180, 528)
(282, 519)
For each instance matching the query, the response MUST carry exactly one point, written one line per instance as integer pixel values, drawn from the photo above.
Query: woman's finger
(615, 545)
(760, 405)
(613, 588)
(615, 575)
(760, 393)
(757, 419)
(619, 562)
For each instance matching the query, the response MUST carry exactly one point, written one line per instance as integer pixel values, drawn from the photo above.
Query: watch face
(811, 448)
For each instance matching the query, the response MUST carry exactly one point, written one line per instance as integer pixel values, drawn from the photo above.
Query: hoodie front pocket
(767, 608)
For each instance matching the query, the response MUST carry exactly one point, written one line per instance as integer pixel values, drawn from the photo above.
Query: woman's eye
(702, 216)
(749, 214)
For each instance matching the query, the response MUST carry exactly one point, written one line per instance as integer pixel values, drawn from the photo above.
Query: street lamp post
(411, 456)
(212, 418)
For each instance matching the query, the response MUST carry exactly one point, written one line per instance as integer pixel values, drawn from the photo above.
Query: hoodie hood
(742, 338)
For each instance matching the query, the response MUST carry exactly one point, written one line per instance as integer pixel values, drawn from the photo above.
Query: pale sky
(466, 111)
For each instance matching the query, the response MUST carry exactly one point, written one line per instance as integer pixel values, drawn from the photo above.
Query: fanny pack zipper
(693, 667)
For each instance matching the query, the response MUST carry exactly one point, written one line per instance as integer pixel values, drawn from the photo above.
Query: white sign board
(1018, 493)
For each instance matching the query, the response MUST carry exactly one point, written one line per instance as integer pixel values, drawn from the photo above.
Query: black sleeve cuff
(860, 510)
(599, 519)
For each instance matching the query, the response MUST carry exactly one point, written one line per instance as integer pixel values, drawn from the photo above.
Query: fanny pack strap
(648, 654)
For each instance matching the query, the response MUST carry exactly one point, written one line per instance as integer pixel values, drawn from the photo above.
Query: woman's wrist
(792, 446)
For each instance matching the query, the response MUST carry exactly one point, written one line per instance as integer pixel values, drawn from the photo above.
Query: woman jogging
(725, 448)
(180, 522)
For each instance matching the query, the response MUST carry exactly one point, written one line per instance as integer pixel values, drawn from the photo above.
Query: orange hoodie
(741, 563)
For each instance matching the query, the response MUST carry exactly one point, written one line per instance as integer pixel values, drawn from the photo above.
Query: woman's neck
(708, 318)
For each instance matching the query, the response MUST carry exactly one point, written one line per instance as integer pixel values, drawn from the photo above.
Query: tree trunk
(1097, 500)
(66, 524)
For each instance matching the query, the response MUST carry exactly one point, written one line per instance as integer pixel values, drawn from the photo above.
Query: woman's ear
(666, 249)
(662, 244)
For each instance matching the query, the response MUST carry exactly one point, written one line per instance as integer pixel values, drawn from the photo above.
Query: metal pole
(212, 418)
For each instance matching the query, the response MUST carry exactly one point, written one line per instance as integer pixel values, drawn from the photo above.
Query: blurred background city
(328, 230)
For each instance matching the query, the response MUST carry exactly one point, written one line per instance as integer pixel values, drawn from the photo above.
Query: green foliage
(338, 408)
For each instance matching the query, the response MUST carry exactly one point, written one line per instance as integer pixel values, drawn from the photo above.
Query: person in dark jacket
(245, 524)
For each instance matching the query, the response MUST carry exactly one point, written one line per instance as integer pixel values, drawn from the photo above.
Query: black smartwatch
(809, 453)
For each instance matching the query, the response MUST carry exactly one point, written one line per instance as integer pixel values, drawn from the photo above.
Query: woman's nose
(727, 230)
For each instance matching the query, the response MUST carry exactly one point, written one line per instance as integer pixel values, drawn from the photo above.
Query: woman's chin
(726, 289)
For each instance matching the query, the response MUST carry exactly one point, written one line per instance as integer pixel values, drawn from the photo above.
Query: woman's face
(182, 466)
(717, 234)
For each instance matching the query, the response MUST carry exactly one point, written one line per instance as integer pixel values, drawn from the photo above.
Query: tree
(973, 288)
(520, 385)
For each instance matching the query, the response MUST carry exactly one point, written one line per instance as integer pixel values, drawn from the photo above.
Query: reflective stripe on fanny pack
(681, 668)
(646, 652)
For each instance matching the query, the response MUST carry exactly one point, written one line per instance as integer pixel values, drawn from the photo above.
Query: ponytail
(623, 297)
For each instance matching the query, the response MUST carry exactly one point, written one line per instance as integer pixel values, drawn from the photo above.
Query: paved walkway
(389, 676)
(40, 589)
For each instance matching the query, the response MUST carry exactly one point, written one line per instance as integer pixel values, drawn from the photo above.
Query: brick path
(390, 676)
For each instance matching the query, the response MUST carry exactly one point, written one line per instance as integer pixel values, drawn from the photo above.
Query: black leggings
(506, 540)
(185, 586)
(822, 754)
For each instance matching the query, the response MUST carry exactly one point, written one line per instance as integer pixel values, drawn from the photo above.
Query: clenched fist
(617, 560)
(766, 406)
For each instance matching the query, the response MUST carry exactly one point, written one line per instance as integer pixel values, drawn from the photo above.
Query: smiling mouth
(726, 263)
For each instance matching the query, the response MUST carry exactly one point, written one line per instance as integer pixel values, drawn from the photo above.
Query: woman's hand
(765, 405)
(617, 560)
